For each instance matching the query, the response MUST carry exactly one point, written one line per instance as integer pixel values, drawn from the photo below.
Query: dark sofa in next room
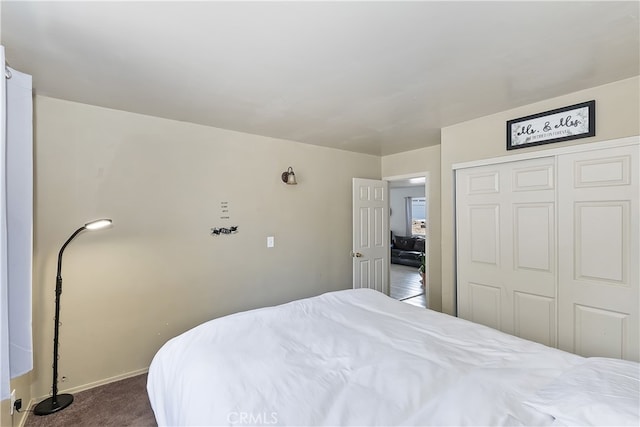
(406, 250)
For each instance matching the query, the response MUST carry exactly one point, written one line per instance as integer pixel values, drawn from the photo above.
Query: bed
(358, 357)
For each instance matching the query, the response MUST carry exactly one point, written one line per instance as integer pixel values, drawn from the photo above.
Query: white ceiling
(371, 77)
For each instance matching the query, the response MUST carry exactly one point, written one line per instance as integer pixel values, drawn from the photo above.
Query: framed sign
(562, 124)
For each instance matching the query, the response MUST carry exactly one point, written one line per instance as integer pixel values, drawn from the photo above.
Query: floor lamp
(57, 401)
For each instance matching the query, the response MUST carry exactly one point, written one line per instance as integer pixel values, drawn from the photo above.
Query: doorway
(409, 222)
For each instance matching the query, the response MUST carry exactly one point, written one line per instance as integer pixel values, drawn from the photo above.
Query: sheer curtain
(16, 225)
(4, 295)
(408, 208)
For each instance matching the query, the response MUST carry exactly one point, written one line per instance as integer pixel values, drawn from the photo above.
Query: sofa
(406, 250)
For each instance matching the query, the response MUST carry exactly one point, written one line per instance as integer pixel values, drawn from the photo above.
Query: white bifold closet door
(506, 247)
(599, 260)
(548, 248)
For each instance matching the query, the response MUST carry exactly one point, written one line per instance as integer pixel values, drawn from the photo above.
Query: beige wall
(420, 161)
(617, 116)
(158, 271)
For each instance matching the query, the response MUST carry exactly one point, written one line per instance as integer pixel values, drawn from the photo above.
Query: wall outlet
(13, 401)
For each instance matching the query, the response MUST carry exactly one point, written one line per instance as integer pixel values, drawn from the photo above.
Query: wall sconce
(289, 177)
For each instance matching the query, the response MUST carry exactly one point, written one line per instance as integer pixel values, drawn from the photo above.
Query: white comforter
(353, 357)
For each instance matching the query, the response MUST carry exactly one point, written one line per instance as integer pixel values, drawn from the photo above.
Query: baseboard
(98, 383)
(25, 413)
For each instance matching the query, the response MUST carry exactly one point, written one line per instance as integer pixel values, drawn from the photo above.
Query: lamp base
(48, 406)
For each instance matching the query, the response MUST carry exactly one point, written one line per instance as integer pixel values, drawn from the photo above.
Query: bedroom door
(370, 251)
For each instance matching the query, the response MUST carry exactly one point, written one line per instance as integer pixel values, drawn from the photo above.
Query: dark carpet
(121, 403)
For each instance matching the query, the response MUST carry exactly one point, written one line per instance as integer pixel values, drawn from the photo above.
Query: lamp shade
(289, 177)
(98, 224)
(291, 180)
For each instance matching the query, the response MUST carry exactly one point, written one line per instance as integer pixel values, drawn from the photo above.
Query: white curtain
(408, 217)
(16, 225)
(4, 295)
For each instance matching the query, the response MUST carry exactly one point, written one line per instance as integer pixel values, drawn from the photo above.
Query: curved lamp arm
(93, 225)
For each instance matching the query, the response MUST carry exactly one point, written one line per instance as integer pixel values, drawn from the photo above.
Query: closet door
(598, 253)
(505, 222)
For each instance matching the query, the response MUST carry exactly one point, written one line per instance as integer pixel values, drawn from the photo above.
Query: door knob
(356, 254)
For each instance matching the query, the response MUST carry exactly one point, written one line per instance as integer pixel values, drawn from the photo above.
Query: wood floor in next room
(405, 285)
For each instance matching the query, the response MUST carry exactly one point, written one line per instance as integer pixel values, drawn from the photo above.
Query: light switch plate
(270, 241)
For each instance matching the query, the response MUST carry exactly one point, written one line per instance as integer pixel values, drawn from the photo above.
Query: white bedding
(354, 357)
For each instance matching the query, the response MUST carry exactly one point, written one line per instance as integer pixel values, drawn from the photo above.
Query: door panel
(483, 182)
(602, 172)
(599, 332)
(484, 234)
(533, 178)
(535, 318)
(485, 304)
(602, 252)
(533, 239)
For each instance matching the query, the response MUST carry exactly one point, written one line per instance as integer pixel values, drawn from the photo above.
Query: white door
(598, 225)
(370, 234)
(506, 247)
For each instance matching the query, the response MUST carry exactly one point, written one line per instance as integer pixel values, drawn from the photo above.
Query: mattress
(354, 357)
